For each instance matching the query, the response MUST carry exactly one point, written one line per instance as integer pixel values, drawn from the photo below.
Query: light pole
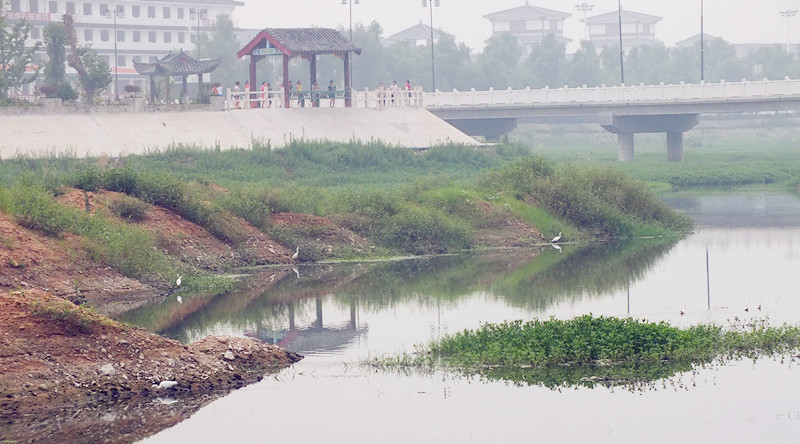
(702, 44)
(114, 14)
(350, 67)
(584, 8)
(431, 4)
(789, 13)
(621, 51)
(197, 13)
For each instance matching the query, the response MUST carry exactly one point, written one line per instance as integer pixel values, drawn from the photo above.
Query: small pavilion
(307, 43)
(176, 64)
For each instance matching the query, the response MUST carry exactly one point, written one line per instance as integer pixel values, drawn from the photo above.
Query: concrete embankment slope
(116, 134)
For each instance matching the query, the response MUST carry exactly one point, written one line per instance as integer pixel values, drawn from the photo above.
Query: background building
(637, 29)
(143, 30)
(529, 24)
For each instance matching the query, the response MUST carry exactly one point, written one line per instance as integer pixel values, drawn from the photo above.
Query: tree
(223, 44)
(499, 65)
(773, 62)
(15, 58)
(547, 61)
(584, 67)
(647, 64)
(98, 72)
(55, 83)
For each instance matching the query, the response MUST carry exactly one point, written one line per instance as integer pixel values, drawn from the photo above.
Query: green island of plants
(588, 350)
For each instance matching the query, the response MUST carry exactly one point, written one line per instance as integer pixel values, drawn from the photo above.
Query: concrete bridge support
(672, 124)
(489, 129)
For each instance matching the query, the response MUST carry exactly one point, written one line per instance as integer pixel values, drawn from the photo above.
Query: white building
(529, 24)
(142, 30)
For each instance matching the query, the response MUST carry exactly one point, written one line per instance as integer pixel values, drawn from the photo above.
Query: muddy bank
(63, 367)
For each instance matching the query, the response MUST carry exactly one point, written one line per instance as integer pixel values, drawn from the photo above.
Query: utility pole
(584, 8)
(789, 13)
(621, 50)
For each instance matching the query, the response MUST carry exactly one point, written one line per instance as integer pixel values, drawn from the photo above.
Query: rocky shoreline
(60, 362)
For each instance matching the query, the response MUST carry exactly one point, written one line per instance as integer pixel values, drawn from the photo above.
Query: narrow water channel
(742, 264)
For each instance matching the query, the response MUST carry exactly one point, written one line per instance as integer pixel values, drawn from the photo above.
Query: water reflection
(287, 307)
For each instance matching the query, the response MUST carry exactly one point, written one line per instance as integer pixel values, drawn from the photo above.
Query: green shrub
(424, 231)
(34, 208)
(519, 176)
(128, 207)
(74, 320)
(250, 205)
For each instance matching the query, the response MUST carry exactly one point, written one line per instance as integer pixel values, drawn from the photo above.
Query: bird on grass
(296, 253)
(557, 238)
(178, 282)
(180, 299)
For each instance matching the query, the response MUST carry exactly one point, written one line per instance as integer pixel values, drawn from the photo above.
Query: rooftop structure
(529, 24)
(637, 29)
(416, 35)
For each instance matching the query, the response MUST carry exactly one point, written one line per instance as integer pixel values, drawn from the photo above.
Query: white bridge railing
(683, 91)
(364, 98)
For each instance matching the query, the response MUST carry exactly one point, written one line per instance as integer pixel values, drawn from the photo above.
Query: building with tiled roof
(419, 34)
(145, 29)
(637, 29)
(529, 24)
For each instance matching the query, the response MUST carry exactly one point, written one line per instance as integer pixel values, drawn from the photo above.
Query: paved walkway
(116, 134)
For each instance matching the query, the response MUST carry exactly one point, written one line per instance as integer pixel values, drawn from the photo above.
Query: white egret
(165, 385)
(296, 253)
(178, 282)
(180, 299)
(557, 238)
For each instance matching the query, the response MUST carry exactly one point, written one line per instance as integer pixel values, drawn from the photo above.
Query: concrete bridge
(623, 110)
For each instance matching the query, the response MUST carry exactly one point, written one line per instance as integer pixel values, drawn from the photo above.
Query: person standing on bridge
(300, 100)
(315, 94)
(236, 91)
(332, 93)
(394, 90)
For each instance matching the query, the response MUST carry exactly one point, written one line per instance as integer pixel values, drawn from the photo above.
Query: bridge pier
(625, 153)
(675, 146)
(625, 126)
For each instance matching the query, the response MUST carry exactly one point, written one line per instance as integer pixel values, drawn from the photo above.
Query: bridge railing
(623, 93)
(364, 98)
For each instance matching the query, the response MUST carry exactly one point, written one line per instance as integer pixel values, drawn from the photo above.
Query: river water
(742, 264)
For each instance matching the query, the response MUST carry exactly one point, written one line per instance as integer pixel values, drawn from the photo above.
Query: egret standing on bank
(557, 238)
(178, 282)
(296, 253)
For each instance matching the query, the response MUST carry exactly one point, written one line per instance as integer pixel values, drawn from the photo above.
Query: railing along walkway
(624, 93)
(365, 98)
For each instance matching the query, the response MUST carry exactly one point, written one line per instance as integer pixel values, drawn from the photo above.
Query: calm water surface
(743, 263)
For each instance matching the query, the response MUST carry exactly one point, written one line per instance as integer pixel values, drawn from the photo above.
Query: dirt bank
(58, 360)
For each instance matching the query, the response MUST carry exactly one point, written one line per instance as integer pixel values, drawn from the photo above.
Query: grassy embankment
(626, 350)
(404, 201)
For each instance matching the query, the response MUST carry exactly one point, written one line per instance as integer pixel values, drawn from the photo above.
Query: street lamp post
(197, 13)
(114, 14)
(431, 4)
(702, 44)
(350, 2)
(584, 8)
(789, 13)
(621, 50)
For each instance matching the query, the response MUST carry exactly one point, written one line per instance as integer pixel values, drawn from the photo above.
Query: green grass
(589, 340)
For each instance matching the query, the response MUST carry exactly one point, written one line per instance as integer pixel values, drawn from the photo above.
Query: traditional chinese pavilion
(307, 43)
(176, 64)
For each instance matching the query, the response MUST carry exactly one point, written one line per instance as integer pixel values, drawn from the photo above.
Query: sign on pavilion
(307, 43)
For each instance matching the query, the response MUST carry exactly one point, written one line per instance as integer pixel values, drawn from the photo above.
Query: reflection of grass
(536, 352)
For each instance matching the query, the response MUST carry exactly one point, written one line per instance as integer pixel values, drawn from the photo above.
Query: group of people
(265, 100)
(394, 95)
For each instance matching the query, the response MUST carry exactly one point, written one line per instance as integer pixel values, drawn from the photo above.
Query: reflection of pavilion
(316, 337)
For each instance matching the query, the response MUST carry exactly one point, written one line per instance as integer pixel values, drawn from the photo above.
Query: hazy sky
(738, 21)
